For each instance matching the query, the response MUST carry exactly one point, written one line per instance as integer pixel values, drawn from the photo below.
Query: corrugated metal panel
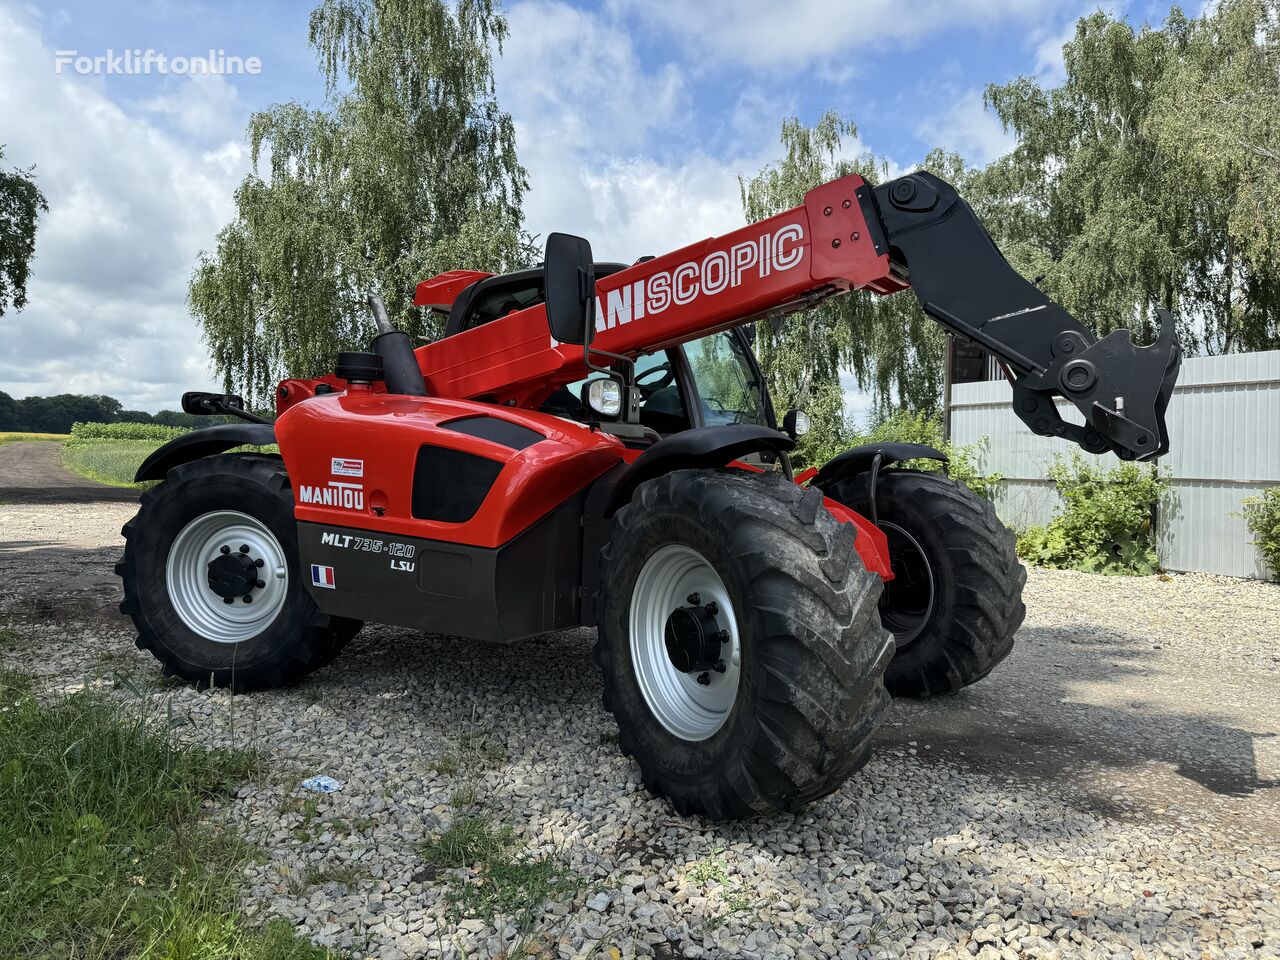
(1224, 427)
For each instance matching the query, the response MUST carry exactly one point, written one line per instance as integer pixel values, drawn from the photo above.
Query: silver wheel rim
(187, 576)
(686, 708)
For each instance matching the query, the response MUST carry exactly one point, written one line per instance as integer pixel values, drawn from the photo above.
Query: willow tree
(893, 350)
(21, 204)
(1150, 176)
(408, 170)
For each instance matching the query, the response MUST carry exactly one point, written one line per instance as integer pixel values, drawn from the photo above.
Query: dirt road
(32, 473)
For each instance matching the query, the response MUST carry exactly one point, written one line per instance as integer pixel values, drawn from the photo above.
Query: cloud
(130, 204)
(968, 128)
(765, 33)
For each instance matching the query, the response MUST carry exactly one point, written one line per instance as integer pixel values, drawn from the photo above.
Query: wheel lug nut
(259, 562)
(704, 679)
(225, 549)
(720, 667)
(247, 599)
(228, 600)
(694, 600)
(260, 584)
(712, 608)
(244, 548)
(723, 636)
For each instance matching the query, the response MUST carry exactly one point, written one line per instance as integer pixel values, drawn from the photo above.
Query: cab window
(728, 389)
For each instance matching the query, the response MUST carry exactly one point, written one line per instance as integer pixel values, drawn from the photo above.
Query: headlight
(604, 396)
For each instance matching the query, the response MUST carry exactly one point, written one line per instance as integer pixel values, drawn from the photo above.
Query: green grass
(9, 437)
(503, 882)
(109, 846)
(108, 461)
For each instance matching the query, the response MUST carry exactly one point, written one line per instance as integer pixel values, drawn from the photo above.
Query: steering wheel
(649, 389)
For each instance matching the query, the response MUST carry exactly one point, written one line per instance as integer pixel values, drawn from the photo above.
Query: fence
(1224, 429)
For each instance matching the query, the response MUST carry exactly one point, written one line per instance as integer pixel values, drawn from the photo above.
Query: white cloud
(766, 33)
(965, 126)
(129, 207)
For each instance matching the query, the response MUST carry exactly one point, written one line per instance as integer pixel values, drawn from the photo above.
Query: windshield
(727, 387)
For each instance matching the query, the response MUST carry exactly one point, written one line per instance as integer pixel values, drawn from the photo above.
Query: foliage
(1262, 514)
(409, 171)
(893, 349)
(125, 431)
(905, 426)
(56, 414)
(1105, 525)
(1151, 177)
(21, 204)
(104, 848)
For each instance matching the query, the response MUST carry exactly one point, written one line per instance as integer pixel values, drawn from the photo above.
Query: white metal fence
(1224, 430)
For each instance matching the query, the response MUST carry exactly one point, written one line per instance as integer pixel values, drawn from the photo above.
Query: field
(108, 461)
(10, 437)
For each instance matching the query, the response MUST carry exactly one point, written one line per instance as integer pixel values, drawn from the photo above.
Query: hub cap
(227, 576)
(684, 642)
(907, 600)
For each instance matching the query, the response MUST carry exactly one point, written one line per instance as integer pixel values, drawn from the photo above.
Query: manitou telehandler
(591, 444)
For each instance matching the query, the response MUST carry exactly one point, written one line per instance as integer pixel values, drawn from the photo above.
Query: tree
(892, 348)
(1151, 177)
(411, 170)
(21, 204)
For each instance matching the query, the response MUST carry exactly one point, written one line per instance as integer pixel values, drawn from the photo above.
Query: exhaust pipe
(400, 370)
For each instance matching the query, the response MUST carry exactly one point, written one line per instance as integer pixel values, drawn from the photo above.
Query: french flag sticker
(322, 576)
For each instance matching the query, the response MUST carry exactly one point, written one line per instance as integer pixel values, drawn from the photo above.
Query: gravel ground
(1111, 790)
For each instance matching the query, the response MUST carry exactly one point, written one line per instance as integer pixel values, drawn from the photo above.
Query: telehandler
(592, 445)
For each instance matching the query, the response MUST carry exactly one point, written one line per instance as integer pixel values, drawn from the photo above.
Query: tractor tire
(202, 533)
(956, 599)
(756, 564)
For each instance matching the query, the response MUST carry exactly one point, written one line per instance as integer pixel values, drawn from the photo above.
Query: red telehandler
(591, 444)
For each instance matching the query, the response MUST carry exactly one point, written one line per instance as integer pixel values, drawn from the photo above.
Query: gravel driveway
(1112, 789)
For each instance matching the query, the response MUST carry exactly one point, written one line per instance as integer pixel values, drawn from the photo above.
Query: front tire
(751, 571)
(212, 578)
(956, 600)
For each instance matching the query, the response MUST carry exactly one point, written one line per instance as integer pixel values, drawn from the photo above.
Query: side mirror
(795, 424)
(570, 280)
(210, 404)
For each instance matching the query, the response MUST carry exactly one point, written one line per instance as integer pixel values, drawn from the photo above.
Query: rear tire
(793, 717)
(184, 524)
(955, 631)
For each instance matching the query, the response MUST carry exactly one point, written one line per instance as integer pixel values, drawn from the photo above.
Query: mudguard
(702, 448)
(858, 459)
(204, 443)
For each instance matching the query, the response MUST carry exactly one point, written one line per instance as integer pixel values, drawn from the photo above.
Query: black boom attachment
(966, 285)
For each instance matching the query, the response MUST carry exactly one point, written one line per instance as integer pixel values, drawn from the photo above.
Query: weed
(447, 765)
(468, 841)
(346, 875)
(709, 870)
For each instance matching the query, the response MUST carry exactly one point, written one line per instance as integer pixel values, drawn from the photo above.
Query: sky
(634, 118)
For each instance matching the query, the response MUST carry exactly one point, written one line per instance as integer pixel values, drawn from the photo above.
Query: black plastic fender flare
(701, 448)
(204, 442)
(856, 460)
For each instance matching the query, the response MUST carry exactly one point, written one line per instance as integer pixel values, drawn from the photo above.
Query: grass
(116, 462)
(12, 437)
(106, 844)
(112, 462)
(503, 881)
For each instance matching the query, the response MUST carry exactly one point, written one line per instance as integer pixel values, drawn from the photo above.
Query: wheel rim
(686, 708)
(187, 576)
(907, 600)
